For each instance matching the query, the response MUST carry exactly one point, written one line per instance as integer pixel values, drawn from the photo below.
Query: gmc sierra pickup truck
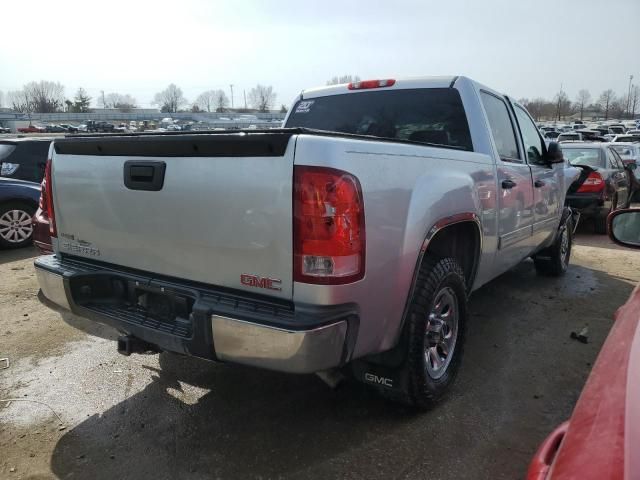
(347, 241)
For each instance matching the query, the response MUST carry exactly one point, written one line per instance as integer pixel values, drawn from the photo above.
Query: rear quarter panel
(407, 189)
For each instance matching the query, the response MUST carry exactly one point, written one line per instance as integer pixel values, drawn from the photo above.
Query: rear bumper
(589, 204)
(205, 322)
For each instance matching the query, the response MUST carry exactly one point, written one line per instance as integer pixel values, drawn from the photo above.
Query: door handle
(539, 183)
(144, 175)
(507, 184)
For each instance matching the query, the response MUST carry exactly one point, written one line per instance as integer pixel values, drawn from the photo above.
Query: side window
(533, 143)
(501, 127)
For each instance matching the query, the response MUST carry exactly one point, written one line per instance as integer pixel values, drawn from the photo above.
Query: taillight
(593, 184)
(328, 226)
(371, 84)
(46, 199)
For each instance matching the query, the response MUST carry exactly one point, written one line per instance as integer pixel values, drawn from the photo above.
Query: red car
(31, 129)
(601, 440)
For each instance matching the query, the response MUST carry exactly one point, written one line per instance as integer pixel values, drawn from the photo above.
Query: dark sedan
(24, 158)
(603, 185)
(18, 202)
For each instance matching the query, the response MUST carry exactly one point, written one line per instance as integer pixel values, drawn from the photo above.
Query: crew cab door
(515, 185)
(548, 180)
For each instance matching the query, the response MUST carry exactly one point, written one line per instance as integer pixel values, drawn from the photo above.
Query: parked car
(105, 127)
(18, 203)
(69, 128)
(603, 185)
(627, 138)
(4, 129)
(24, 158)
(290, 267)
(55, 129)
(569, 137)
(31, 129)
(551, 135)
(602, 437)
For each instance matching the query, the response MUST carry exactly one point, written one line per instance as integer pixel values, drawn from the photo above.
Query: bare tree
(221, 101)
(123, 102)
(343, 79)
(563, 104)
(606, 100)
(170, 99)
(45, 97)
(18, 101)
(582, 100)
(206, 100)
(262, 98)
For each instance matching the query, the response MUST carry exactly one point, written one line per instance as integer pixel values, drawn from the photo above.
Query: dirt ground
(171, 417)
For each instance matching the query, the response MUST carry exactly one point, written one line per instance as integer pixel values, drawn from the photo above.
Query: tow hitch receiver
(128, 344)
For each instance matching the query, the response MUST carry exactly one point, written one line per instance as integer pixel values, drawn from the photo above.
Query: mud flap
(384, 377)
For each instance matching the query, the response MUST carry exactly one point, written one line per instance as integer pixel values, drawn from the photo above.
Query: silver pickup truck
(347, 241)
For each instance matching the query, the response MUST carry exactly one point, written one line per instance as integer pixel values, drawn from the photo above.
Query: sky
(525, 48)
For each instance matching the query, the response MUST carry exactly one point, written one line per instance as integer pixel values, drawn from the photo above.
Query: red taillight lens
(328, 226)
(46, 199)
(371, 84)
(593, 184)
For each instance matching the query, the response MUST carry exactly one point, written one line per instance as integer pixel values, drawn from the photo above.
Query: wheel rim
(564, 247)
(15, 226)
(441, 333)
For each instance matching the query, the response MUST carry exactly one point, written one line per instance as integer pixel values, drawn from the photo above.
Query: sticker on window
(304, 107)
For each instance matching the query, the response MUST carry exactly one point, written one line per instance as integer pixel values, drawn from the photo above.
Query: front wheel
(435, 328)
(554, 261)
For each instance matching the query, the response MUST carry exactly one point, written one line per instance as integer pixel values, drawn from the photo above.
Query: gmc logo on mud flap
(371, 378)
(261, 282)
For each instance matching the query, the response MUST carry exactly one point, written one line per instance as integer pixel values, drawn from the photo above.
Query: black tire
(554, 261)
(6, 239)
(435, 276)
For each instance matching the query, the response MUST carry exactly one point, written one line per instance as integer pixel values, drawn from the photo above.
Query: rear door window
(426, 115)
(501, 126)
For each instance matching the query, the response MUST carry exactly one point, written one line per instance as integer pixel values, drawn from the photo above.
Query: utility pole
(104, 105)
(245, 99)
(559, 101)
(231, 87)
(629, 97)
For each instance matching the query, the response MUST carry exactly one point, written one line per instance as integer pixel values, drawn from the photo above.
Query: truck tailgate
(222, 215)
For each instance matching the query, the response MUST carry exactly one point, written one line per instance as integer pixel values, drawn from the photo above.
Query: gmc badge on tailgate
(261, 282)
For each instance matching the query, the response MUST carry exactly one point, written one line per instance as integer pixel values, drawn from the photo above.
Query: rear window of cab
(433, 116)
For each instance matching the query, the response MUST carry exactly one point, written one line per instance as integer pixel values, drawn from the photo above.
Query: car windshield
(433, 115)
(584, 156)
(569, 137)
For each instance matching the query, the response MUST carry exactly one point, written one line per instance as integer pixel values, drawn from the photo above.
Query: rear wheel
(16, 229)
(435, 326)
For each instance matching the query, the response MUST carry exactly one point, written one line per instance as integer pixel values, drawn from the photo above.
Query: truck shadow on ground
(15, 254)
(249, 423)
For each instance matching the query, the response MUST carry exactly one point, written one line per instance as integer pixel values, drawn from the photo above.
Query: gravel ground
(165, 416)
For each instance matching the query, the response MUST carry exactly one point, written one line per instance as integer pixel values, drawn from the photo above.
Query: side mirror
(554, 153)
(624, 227)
